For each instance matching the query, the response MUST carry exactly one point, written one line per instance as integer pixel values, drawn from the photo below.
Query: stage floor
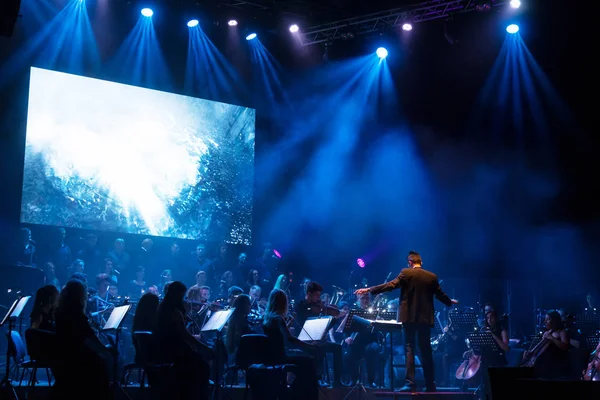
(237, 393)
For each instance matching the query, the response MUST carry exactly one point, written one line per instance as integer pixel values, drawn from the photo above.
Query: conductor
(417, 289)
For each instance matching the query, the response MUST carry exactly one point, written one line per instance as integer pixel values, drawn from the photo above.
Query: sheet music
(20, 306)
(16, 309)
(217, 320)
(314, 329)
(116, 317)
(387, 321)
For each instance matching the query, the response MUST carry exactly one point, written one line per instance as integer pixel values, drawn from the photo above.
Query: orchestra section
(216, 326)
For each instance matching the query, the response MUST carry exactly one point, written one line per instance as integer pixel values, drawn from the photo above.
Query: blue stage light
(382, 52)
(146, 12)
(512, 28)
(193, 23)
(251, 36)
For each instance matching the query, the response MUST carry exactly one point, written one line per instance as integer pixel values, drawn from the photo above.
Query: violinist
(311, 306)
(551, 357)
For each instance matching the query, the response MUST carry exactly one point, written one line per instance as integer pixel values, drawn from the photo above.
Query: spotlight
(381, 52)
(193, 23)
(361, 263)
(232, 22)
(515, 3)
(512, 28)
(251, 36)
(294, 28)
(277, 253)
(407, 27)
(146, 12)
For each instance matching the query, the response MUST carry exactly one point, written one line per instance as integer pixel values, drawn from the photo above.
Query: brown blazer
(417, 289)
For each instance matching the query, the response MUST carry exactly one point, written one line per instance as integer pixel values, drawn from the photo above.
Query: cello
(592, 372)
(531, 356)
(470, 366)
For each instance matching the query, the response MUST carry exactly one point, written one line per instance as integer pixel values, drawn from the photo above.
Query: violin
(324, 309)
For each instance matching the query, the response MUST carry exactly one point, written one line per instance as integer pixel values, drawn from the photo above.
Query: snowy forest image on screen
(111, 157)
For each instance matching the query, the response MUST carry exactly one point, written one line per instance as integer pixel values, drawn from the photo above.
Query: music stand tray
(315, 329)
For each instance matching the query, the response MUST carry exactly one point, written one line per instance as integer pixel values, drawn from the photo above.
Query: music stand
(483, 342)
(114, 324)
(588, 322)
(216, 323)
(463, 321)
(437, 325)
(315, 329)
(11, 317)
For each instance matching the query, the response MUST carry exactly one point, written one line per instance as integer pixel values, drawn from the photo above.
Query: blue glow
(382, 52)
(251, 36)
(512, 28)
(193, 23)
(146, 12)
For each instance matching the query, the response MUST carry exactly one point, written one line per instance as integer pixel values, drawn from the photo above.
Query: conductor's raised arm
(384, 287)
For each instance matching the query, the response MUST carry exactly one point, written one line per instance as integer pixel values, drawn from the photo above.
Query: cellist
(552, 359)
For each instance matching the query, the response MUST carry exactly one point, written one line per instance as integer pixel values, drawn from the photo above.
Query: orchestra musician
(44, 306)
(178, 346)
(277, 331)
(492, 359)
(417, 287)
(364, 345)
(552, 359)
(312, 306)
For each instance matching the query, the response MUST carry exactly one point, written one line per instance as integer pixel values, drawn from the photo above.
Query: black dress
(306, 384)
(191, 370)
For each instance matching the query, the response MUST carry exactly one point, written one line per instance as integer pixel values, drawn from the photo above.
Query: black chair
(18, 352)
(156, 373)
(267, 380)
(42, 347)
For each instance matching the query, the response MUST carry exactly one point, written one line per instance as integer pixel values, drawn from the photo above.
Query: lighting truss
(375, 22)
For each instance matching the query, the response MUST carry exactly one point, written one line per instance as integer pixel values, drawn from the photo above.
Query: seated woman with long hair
(552, 357)
(238, 325)
(306, 384)
(176, 345)
(44, 307)
(86, 362)
(146, 315)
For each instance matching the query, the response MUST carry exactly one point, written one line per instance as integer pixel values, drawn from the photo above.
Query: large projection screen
(111, 157)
